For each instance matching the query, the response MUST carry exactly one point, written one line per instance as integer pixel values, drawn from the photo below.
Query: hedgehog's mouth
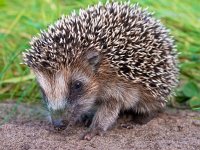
(68, 117)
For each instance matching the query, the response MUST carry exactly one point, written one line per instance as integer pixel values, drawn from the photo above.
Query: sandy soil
(27, 129)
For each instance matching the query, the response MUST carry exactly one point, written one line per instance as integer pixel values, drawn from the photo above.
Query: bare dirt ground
(27, 129)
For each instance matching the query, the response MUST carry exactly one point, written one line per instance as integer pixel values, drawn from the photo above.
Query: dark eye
(77, 86)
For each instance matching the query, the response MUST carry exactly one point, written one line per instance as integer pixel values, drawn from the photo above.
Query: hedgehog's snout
(58, 119)
(59, 124)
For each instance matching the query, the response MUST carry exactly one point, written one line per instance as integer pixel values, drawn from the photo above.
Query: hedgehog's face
(69, 92)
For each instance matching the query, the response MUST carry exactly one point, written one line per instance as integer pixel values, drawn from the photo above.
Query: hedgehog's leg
(106, 115)
(144, 111)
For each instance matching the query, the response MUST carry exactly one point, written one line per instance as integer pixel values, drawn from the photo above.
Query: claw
(92, 133)
(127, 126)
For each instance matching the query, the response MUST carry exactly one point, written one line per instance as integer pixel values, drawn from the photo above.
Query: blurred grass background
(20, 20)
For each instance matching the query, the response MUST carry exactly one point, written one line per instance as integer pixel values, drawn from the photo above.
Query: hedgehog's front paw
(92, 133)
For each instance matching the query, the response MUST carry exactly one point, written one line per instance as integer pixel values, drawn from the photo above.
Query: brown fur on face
(56, 87)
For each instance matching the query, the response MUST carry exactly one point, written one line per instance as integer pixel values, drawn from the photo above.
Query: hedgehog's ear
(93, 58)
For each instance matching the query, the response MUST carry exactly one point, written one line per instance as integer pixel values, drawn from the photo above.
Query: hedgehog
(103, 60)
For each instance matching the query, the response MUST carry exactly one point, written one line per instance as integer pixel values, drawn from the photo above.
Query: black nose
(59, 124)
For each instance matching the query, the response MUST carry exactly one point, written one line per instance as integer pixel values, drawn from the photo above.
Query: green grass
(20, 20)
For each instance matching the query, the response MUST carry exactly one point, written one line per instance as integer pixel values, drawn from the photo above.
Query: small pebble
(196, 123)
